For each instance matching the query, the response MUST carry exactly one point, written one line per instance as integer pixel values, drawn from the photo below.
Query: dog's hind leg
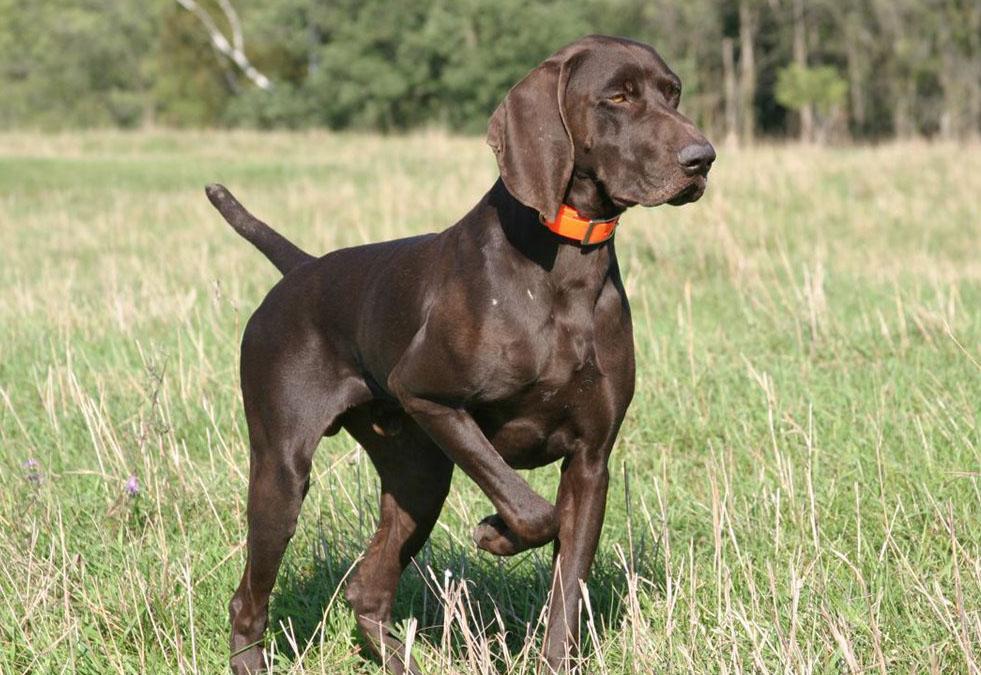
(289, 406)
(278, 482)
(415, 479)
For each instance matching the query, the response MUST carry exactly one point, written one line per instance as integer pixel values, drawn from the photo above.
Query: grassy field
(797, 487)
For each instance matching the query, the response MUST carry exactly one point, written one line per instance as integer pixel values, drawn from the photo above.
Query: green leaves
(822, 86)
(381, 65)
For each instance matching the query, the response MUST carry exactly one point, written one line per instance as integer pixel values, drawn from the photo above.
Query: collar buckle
(591, 226)
(589, 232)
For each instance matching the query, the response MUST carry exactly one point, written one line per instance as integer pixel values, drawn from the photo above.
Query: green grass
(795, 489)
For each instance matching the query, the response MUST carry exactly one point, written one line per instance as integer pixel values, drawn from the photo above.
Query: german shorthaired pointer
(503, 342)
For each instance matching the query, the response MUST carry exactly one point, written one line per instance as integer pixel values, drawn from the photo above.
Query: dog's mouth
(681, 190)
(690, 193)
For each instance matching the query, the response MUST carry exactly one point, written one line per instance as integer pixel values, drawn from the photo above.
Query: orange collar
(568, 223)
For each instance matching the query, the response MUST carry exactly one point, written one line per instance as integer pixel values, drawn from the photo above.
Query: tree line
(820, 70)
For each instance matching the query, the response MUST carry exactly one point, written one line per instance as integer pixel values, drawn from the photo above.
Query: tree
(803, 106)
(748, 25)
(233, 49)
(819, 89)
(910, 67)
(64, 63)
(730, 93)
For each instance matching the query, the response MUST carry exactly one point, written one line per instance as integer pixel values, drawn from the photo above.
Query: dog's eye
(618, 98)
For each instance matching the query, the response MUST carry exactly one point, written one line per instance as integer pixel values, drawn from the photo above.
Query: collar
(568, 223)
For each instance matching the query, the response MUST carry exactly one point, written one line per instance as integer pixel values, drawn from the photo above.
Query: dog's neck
(588, 197)
(565, 262)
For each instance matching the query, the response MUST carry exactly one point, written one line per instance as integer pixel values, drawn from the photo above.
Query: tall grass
(796, 487)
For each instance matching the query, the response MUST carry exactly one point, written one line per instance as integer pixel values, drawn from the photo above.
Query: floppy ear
(530, 138)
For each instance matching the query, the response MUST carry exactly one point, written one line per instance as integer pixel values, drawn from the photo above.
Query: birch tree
(233, 49)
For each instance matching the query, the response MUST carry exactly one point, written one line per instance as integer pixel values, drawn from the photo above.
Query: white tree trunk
(800, 58)
(234, 50)
(729, 92)
(747, 71)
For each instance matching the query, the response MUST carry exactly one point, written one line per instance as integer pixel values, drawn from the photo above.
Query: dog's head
(607, 109)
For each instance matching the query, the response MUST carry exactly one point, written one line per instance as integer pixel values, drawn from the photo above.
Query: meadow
(796, 489)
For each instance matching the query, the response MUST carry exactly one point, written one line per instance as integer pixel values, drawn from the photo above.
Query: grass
(795, 489)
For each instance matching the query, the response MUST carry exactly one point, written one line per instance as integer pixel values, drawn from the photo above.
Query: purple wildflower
(33, 469)
(132, 486)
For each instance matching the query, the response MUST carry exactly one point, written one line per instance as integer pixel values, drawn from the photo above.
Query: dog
(503, 342)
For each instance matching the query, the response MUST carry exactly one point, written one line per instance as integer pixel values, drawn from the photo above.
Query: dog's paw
(493, 536)
(250, 661)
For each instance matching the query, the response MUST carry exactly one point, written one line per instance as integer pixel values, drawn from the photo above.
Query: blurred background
(820, 70)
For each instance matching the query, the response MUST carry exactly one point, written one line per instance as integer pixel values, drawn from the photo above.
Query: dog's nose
(696, 158)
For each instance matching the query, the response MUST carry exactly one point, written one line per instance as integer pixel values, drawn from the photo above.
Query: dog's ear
(531, 140)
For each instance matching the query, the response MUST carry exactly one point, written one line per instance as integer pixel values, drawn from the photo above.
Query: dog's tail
(281, 252)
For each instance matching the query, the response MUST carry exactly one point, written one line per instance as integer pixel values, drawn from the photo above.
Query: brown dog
(502, 342)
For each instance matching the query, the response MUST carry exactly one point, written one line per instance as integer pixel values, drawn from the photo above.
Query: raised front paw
(494, 536)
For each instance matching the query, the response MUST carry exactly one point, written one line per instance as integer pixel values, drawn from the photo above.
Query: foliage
(73, 63)
(798, 86)
(375, 64)
(190, 87)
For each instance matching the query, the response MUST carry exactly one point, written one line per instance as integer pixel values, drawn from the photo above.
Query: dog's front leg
(530, 519)
(580, 504)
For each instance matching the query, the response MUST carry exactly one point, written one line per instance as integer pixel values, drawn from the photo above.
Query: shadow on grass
(516, 588)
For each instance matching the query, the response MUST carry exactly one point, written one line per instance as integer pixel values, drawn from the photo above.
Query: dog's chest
(548, 398)
(536, 336)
